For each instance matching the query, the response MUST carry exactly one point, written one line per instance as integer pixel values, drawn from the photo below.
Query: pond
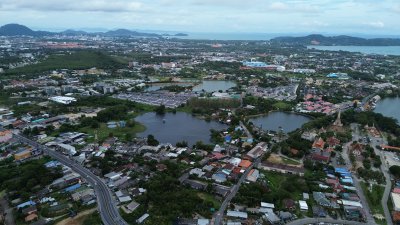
(389, 107)
(276, 120)
(158, 86)
(214, 85)
(173, 128)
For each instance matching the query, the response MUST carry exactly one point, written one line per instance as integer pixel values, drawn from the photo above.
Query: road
(356, 182)
(7, 212)
(385, 171)
(106, 205)
(218, 216)
(323, 220)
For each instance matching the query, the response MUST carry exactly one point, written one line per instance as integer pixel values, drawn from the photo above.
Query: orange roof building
(318, 144)
(245, 163)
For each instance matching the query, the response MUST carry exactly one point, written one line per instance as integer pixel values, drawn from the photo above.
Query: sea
(379, 50)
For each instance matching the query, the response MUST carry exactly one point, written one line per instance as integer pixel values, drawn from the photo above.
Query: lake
(380, 50)
(274, 120)
(177, 127)
(158, 86)
(389, 107)
(214, 85)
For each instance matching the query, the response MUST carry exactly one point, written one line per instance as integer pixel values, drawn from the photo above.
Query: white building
(63, 99)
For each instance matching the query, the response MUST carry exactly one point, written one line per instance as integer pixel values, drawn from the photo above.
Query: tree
(160, 110)
(395, 171)
(152, 141)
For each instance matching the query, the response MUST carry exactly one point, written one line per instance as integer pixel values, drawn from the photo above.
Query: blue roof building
(28, 203)
(73, 187)
(254, 64)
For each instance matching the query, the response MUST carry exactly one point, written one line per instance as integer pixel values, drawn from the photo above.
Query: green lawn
(290, 161)
(279, 181)
(374, 197)
(2, 193)
(210, 198)
(103, 132)
(282, 106)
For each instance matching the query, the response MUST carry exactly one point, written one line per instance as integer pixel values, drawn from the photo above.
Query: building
(63, 99)
(318, 144)
(142, 218)
(5, 136)
(257, 151)
(237, 214)
(23, 154)
(303, 205)
(396, 201)
(253, 175)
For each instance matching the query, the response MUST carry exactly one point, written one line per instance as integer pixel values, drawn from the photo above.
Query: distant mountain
(175, 35)
(74, 32)
(125, 32)
(317, 39)
(17, 29)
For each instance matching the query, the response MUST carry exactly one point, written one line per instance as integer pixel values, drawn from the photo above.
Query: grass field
(290, 161)
(103, 132)
(211, 198)
(374, 198)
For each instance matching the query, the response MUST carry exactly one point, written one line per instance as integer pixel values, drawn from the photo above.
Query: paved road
(7, 212)
(384, 168)
(106, 205)
(364, 202)
(323, 220)
(218, 216)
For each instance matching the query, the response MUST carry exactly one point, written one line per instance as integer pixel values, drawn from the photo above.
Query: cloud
(293, 7)
(377, 24)
(72, 5)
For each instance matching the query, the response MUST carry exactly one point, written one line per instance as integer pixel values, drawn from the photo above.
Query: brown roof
(31, 217)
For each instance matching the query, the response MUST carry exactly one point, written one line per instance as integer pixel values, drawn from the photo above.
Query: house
(31, 217)
(131, 207)
(356, 149)
(271, 217)
(22, 154)
(28, 203)
(236, 214)
(267, 205)
(221, 190)
(318, 211)
(253, 175)
(303, 205)
(245, 164)
(198, 185)
(396, 201)
(257, 151)
(322, 156)
(333, 141)
(318, 144)
(289, 204)
(142, 218)
(29, 210)
(321, 199)
(285, 216)
(219, 177)
(5, 136)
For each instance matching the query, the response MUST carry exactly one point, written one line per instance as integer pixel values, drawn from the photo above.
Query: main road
(106, 205)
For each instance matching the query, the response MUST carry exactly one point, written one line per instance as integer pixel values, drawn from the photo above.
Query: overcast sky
(380, 17)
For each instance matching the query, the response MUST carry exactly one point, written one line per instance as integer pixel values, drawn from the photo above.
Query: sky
(376, 17)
